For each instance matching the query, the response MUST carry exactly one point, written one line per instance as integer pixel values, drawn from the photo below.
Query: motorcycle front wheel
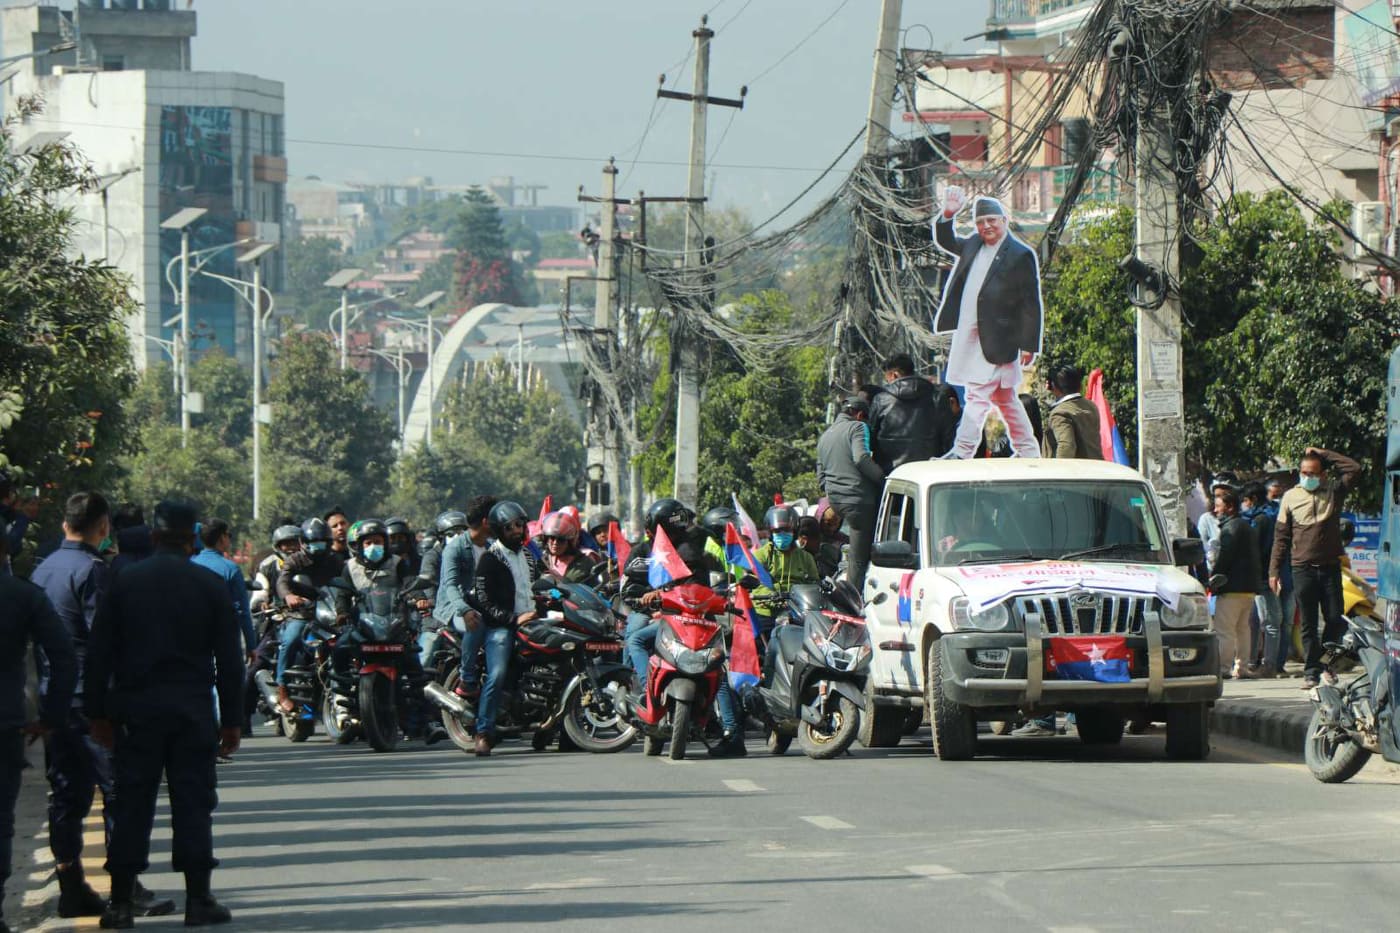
(330, 723)
(834, 735)
(381, 721)
(591, 721)
(1331, 755)
(680, 728)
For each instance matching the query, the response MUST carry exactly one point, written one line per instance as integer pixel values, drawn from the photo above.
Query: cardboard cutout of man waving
(991, 304)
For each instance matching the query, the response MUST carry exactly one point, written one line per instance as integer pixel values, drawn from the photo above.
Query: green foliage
(484, 271)
(328, 444)
(228, 398)
(492, 440)
(758, 428)
(309, 262)
(65, 357)
(214, 477)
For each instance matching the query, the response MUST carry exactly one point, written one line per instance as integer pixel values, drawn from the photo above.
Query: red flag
(1110, 441)
(618, 548)
(666, 564)
(744, 668)
(532, 530)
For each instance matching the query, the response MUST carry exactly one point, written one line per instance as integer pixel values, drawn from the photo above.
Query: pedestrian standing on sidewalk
(26, 616)
(1308, 537)
(164, 636)
(1256, 509)
(1236, 579)
(1287, 595)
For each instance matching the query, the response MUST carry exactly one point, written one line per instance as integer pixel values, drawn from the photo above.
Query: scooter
(818, 664)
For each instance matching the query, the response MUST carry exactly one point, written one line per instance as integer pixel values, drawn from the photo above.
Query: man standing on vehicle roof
(1308, 535)
(852, 480)
(992, 307)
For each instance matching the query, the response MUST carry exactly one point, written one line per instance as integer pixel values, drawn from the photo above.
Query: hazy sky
(546, 90)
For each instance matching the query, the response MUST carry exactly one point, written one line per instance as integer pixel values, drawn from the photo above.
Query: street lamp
(181, 221)
(404, 369)
(103, 183)
(51, 50)
(342, 280)
(254, 258)
(425, 304)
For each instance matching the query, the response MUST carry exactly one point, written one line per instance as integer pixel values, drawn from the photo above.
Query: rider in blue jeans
(504, 576)
(318, 563)
(456, 596)
(639, 594)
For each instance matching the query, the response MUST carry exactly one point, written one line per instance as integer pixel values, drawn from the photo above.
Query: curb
(1263, 724)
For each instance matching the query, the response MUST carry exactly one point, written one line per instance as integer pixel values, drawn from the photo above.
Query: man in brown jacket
(1308, 535)
(1072, 430)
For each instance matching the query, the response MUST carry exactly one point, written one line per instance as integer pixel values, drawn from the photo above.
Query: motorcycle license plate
(602, 646)
(382, 649)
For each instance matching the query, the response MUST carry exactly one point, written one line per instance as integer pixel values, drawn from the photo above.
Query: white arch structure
(487, 331)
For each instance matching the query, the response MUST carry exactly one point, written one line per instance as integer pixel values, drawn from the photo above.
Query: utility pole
(602, 436)
(687, 474)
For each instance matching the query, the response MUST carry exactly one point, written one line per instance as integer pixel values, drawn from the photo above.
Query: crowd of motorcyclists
(473, 584)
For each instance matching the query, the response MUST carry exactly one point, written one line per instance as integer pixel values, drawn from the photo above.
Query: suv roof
(1001, 469)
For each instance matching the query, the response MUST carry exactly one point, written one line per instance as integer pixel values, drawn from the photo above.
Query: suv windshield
(986, 522)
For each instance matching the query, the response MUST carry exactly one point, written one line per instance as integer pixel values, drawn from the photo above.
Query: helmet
(602, 520)
(715, 520)
(315, 529)
(1226, 480)
(560, 524)
(667, 512)
(450, 522)
(399, 528)
(502, 514)
(363, 529)
(855, 405)
(285, 534)
(781, 518)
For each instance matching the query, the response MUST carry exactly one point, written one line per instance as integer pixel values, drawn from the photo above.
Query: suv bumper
(1021, 681)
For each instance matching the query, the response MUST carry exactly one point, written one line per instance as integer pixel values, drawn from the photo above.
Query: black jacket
(1009, 316)
(1239, 557)
(904, 422)
(495, 588)
(133, 544)
(27, 615)
(692, 552)
(164, 629)
(321, 568)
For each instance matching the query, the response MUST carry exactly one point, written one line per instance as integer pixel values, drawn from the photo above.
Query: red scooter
(683, 676)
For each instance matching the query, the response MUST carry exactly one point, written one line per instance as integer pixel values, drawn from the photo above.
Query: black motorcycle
(560, 673)
(814, 686)
(1352, 721)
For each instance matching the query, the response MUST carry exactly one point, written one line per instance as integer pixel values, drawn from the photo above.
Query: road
(1040, 835)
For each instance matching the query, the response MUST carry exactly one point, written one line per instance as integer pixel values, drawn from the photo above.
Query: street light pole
(426, 303)
(342, 280)
(181, 221)
(254, 256)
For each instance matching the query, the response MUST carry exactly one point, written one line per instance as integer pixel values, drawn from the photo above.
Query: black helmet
(715, 520)
(855, 405)
(315, 529)
(450, 522)
(781, 518)
(363, 529)
(602, 520)
(669, 512)
(285, 534)
(502, 514)
(399, 528)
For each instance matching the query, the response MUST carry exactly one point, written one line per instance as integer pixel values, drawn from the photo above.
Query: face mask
(1310, 483)
(782, 540)
(374, 553)
(318, 547)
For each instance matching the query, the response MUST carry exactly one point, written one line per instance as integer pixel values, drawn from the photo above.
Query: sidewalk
(1270, 712)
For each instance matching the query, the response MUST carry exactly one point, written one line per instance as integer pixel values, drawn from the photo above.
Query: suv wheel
(954, 727)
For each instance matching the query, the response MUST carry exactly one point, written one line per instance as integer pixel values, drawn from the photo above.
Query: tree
(328, 444)
(309, 262)
(228, 398)
(484, 270)
(65, 357)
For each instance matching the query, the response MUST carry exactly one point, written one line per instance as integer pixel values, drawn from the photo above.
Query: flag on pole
(666, 565)
(1110, 441)
(737, 554)
(618, 548)
(744, 669)
(746, 524)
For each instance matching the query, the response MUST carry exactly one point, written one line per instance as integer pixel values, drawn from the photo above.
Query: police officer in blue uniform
(164, 634)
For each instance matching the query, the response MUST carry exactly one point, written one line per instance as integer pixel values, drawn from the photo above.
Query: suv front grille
(1087, 613)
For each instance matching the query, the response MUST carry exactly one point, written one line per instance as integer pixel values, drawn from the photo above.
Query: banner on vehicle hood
(986, 585)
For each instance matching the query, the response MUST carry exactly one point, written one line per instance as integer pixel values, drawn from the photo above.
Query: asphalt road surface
(1035, 835)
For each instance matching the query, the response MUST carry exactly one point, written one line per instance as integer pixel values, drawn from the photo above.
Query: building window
(113, 63)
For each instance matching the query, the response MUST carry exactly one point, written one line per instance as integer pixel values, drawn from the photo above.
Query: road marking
(1072, 930)
(934, 872)
(743, 786)
(827, 822)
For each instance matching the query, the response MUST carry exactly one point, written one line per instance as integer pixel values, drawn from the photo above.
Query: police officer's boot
(119, 914)
(76, 898)
(146, 903)
(201, 910)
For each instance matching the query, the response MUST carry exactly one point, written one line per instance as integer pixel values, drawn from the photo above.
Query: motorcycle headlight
(992, 619)
(668, 646)
(1190, 612)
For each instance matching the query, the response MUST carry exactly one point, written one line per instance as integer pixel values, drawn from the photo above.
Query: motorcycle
(563, 665)
(683, 675)
(1347, 724)
(368, 694)
(815, 688)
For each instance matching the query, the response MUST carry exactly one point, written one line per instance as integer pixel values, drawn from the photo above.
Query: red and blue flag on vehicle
(904, 606)
(665, 564)
(618, 548)
(746, 523)
(1106, 660)
(1110, 440)
(744, 667)
(737, 554)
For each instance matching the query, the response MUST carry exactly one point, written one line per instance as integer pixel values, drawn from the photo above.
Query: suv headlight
(992, 619)
(1190, 612)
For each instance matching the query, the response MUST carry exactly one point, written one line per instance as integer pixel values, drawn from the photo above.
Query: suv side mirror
(1188, 552)
(896, 554)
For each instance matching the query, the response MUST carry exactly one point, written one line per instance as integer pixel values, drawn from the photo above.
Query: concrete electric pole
(602, 434)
